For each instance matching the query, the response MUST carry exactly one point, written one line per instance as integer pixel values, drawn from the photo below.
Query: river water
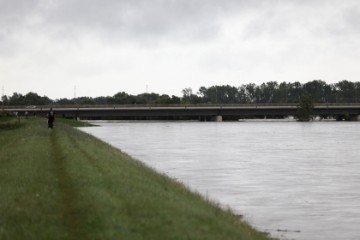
(294, 180)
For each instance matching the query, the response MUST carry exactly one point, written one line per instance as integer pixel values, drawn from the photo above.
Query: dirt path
(73, 217)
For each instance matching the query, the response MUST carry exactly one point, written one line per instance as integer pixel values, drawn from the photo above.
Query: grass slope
(65, 184)
(74, 123)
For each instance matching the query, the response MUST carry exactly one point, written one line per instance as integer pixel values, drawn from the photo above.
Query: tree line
(270, 92)
(274, 92)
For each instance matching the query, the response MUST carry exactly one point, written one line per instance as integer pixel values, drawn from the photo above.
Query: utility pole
(216, 97)
(74, 92)
(147, 94)
(2, 91)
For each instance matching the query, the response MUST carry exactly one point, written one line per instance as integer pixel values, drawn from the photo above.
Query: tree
(189, 97)
(175, 99)
(16, 99)
(330, 93)
(270, 92)
(283, 93)
(250, 92)
(294, 91)
(187, 92)
(346, 92)
(305, 109)
(121, 98)
(357, 92)
(34, 99)
(4, 100)
(101, 100)
(242, 94)
(315, 89)
(65, 101)
(164, 99)
(85, 101)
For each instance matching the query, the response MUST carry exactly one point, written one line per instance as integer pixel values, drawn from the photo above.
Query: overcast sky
(106, 46)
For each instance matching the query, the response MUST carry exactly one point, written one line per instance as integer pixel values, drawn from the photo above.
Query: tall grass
(65, 184)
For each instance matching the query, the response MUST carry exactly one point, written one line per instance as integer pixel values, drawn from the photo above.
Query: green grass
(65, 184)
(9, 123)
(73, 123)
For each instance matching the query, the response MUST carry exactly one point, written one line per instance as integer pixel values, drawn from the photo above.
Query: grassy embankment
(65, 184)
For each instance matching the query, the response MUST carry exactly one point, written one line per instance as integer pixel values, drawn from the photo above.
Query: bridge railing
(43, 107)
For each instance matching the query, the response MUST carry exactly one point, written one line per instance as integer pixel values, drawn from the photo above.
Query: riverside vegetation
(65, 184)
(269, 92)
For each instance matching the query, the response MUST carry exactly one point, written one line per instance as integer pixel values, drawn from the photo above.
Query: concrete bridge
(200, 112)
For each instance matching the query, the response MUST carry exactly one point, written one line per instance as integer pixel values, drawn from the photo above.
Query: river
(294, 180)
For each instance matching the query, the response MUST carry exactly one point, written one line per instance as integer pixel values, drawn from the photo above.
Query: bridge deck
(185, 110)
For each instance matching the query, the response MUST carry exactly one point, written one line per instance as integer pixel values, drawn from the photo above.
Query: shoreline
(69, 184)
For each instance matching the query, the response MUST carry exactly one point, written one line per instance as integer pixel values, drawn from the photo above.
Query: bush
(305, 109)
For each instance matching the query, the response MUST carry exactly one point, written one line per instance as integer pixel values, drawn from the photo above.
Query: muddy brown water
(294, 180)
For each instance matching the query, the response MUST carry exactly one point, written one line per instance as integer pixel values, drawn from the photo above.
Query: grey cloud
(137, 19)
(352, 18)
(343, 26)
(126, 19)
(13, 16)
(13, 12)
(304, 19)
(150, 20)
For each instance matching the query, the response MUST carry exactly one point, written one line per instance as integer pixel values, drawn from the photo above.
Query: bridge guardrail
(33, 107)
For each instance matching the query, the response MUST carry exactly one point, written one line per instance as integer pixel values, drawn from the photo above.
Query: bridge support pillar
(202, 118)
(217, 118)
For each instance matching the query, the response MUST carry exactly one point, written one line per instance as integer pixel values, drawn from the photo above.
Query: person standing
(51, 118)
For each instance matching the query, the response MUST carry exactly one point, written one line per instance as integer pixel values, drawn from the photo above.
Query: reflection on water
(294, 180)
